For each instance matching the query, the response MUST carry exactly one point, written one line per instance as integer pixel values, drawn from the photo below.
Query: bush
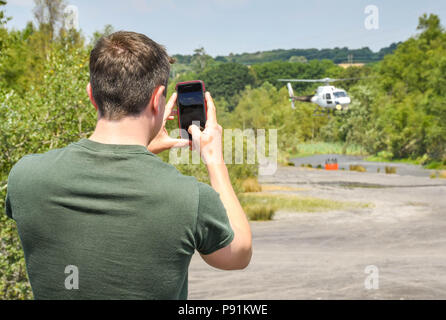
(390, 170)
(50, 116)
(357, 168)
(251, 185)
(259, 212)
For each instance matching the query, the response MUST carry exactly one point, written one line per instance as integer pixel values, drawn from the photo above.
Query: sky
(237, 26)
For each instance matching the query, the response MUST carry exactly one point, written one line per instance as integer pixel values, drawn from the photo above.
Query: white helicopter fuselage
(331, 97)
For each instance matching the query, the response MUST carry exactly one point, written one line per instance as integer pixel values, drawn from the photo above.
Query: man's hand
(208, 142)
(163, 141)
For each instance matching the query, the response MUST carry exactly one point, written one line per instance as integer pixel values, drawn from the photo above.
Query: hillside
(337, 55)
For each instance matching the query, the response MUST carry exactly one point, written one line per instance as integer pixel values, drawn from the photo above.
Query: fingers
(196, 135)
(212, 112)
(168, 112)
(179, 143)
(195, 131)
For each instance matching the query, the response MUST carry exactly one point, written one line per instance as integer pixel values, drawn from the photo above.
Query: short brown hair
(125, 69)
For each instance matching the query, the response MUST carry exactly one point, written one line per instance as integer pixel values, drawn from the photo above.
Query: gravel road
(324, 255)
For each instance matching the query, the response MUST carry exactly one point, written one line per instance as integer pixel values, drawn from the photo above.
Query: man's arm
(237, 254)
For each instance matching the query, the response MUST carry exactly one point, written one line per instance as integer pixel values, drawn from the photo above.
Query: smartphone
(191, 105)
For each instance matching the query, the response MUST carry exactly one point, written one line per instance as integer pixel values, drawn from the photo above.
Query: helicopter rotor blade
(345, 79)
(326, 80)
(300, 80)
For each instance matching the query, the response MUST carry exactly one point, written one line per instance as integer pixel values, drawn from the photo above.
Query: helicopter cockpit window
(339, 94)
(328, 96)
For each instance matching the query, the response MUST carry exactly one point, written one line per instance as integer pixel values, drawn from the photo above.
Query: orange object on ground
(331, 166)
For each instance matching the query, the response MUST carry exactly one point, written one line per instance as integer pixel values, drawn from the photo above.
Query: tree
(402, 111)
(227, 80)
(298, 59)
(49, 15)
(201, 60)
(430, 27)
(272, 71)
(106, 31)
(3, 18)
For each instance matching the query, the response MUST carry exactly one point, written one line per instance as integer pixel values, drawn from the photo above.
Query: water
(345, 161)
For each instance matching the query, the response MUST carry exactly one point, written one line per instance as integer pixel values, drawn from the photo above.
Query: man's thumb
(194, 131)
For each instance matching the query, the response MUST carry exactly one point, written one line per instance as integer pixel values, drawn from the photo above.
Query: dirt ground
(324, 255)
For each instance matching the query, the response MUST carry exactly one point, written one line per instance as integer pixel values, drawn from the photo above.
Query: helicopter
(327, 97)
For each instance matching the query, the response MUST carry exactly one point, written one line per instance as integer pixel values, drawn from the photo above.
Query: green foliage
(227, 81)
(390, 170)
(3, 18)
(308, 149)
(251, 185)
(259, 211)
(268, 108)
(292, 203)
(337, 55)
(13, 278)
(357, 168)
(52, 115)
(403, 111)
(272, 71)
(106, 31)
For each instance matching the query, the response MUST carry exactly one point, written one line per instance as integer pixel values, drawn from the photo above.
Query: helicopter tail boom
(304, 98)
(293, 98)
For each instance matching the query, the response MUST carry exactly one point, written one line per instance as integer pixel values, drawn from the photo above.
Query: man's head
(127, 71)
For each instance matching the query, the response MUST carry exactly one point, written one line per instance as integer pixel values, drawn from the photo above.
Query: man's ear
(157, 98)
(90, 95)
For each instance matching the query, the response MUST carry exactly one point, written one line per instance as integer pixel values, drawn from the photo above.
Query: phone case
(204, 92)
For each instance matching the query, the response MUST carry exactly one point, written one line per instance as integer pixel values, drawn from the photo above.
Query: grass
(271, 187)
(262, 206)
(390, 170)
(436, 165)
(259, 212)
(438, 174)
(376, 158)
(309, 149)
(357, 168)
(251, 185)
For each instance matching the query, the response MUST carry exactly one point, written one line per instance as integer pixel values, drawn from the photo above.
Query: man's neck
(127, 131)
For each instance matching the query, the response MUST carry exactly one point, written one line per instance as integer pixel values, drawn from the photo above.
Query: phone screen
(191, 107)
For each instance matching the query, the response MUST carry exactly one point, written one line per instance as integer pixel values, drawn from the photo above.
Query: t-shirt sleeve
(213, 229)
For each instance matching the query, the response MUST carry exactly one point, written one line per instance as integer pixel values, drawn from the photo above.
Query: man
(105, 218)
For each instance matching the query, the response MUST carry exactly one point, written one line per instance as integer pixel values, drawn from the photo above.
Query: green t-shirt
(113, 220)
